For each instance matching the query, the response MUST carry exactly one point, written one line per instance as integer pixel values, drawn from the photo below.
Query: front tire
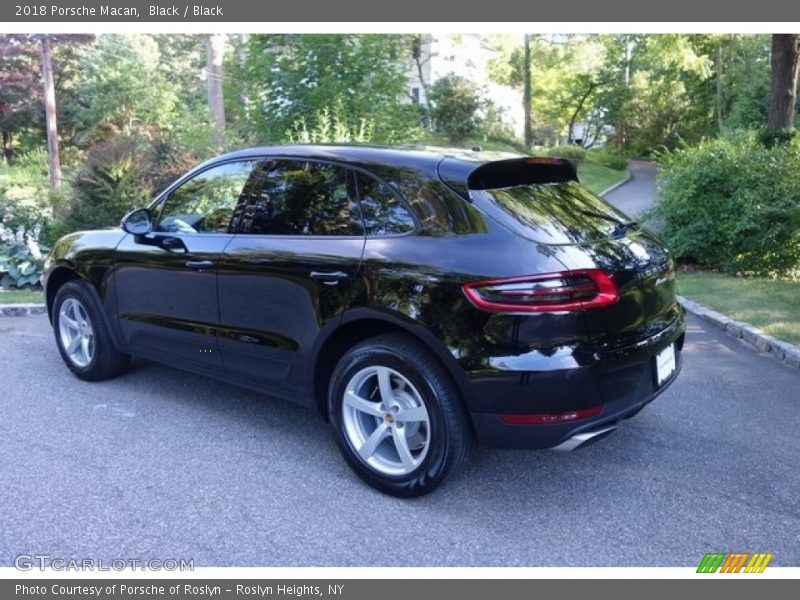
(82, 335)
(397, 416)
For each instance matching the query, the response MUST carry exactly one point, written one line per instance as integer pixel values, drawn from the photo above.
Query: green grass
(21, 296)
(598, 178)
(773, 306)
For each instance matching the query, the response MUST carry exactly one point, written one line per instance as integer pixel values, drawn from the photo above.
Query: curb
(22, 310)
(787, 353)
(616, 185)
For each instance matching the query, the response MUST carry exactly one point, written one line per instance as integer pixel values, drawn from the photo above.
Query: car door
(291, 268)
(166, 281)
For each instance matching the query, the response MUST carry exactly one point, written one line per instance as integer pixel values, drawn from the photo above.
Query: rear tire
(82, 334)
(397, 416)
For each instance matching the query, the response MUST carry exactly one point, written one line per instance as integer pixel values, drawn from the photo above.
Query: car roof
(421, 158)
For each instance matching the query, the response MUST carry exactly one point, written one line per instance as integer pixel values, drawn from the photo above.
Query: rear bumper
(621, 383)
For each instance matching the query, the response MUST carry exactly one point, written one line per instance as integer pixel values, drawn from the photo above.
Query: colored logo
(734, 562)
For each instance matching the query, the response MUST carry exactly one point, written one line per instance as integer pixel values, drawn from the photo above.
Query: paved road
(639, 193)
(163, 464)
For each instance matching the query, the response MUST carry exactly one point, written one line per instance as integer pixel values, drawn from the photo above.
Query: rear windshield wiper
(620, 227)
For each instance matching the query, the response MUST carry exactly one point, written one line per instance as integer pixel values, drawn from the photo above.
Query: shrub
(24, 210)
(455, 106)
(121, 174)
(607, 157)
(21, 256)
(573, 153)
(329, 126)
(733, 204)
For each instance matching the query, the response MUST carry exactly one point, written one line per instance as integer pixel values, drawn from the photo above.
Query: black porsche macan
(420, 299)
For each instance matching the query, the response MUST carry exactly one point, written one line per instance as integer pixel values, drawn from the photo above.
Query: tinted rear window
(556, 213)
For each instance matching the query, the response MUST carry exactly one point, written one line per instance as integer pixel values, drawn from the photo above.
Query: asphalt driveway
(639, 193)
(162, 464)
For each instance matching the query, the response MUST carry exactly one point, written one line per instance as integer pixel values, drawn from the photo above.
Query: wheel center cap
(389, 418)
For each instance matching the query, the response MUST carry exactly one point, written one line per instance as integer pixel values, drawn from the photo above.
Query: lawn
(773, 306)
(21, 296)
(598, 178)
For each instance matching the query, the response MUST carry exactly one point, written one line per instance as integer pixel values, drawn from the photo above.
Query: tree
(20, 88)
(290, 76)
(215, 46)
(785, 61)
(125, 89)
(455, 105)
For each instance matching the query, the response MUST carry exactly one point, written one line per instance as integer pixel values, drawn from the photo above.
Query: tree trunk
(621, 130)
(214, 54)
(417, 44)
(8, 147)
(241, 57)
(783, 89)
(53, 161)
(577, 111)
(720, 123)
(527, 95)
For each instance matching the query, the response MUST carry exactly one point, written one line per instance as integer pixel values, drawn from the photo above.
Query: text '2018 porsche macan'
(420, 299)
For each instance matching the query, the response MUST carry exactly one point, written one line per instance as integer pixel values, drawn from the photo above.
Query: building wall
(468, 56)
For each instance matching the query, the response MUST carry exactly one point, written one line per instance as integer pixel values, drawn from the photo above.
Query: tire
(77, 314)
(408, 446)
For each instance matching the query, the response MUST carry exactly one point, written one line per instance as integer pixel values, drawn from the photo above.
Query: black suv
(420, 299)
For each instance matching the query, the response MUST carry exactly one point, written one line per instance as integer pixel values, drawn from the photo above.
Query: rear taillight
(552, 292)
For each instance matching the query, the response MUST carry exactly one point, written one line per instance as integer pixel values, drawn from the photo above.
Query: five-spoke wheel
(77, 335)
(386, 420)
(397, 415)
(82, 334)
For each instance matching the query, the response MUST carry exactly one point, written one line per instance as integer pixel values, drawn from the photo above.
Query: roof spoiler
(521, 171)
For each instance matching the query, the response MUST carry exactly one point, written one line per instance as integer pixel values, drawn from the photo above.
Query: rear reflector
(551, 292)
(553, 419)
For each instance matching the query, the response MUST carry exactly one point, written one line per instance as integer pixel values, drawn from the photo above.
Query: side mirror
(138, 222)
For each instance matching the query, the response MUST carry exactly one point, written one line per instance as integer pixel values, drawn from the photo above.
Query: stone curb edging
(787, 353)
(22, 310)
(616, 185)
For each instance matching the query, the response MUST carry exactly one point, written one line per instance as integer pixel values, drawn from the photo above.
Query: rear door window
(301, 198)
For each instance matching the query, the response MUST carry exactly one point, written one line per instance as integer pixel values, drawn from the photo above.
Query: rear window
(556, 213)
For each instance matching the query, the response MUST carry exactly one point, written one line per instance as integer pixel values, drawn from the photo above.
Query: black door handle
(199, 265)
(328, 277)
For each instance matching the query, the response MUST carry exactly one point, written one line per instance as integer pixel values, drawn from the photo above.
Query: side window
(205, 203)
(382, 212)
(303, 198)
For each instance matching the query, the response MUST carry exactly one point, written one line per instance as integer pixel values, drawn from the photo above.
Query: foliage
(122, 174)
(287, 77)
(456, 103)
(126, 88)
(733, 204)
(607, 157)
(330, 126)
(571, 152)
(21, 265)
(20, 96)
(21, 256)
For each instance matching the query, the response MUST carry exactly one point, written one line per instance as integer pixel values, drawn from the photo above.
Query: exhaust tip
(581, 440)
